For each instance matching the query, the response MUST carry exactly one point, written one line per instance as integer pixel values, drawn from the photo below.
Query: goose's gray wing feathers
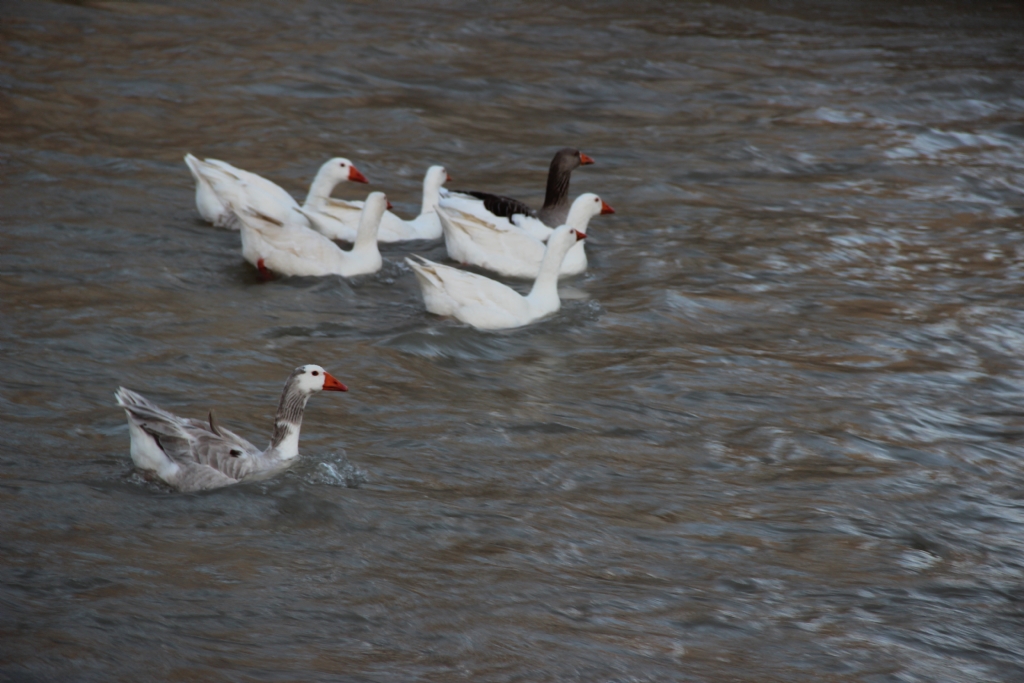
(205, 459)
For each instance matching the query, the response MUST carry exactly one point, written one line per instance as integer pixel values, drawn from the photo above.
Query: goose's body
(498, 209)
(512, 252)
(466, 204)
(209, 205)
(292, 249)
(339, 219)
(191, 455)
(222, 191)
(490, 305)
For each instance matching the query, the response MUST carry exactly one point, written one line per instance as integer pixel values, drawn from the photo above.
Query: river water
(776, 432)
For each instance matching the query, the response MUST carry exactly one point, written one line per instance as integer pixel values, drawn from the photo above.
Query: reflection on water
(773, 434)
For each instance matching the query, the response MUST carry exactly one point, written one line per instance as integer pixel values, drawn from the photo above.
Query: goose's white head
(584, 208)
(340, 169)
(310, 379)
(375, 206)
(564, 237)
(436, 177)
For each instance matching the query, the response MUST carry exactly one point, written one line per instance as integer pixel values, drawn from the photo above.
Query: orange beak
(355, 176)
(447, 177)
(331, 384)
(584, 159)
(580, 235)
(605, 208)
(389, 205)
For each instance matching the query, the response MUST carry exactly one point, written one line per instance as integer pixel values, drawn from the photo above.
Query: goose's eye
(316, 372)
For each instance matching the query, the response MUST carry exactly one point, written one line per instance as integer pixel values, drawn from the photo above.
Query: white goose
(292, 249)
(191, 455)
(339, 219)
(223, 190)
(510, 251)
(489, 305)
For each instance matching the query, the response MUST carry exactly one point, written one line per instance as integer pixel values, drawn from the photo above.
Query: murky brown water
(775, 434)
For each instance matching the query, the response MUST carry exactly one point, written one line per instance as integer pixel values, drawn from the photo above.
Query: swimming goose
(487, 304)
(222, 190)
(512, 252)
(293, 249)
(191, 455)
(339, 219)
(495, 208)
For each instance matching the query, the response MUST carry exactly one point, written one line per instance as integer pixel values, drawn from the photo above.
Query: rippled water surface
(776, 432)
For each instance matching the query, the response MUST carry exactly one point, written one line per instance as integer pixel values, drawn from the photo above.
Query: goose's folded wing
(342, 204)
(223, 166)
(229, 188)
(241, 191)
(234, 457)
(469, 204)
(248, 180)
(470, 289)
(192, 444)
(532, 226)
(213, 427)
(144, 412)
(345, 212)
(299, 241)
(458, 284)
(500, 241)
(504, 207)
(196, 477)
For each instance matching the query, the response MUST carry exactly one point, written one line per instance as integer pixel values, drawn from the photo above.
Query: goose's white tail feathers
(145, 450)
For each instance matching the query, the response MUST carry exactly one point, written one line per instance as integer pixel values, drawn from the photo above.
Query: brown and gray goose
(497, 209)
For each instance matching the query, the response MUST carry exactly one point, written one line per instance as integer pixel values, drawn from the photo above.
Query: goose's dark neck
(557, 193)
(289, 412)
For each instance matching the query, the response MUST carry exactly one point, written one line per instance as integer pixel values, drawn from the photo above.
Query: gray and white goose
(192, 455)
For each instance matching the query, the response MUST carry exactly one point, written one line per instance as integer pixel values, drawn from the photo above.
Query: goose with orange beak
(223, 191)
(192, 455)
(339, 218)
(500, 210)
(289, 249)
(487, 304)
(510, 251)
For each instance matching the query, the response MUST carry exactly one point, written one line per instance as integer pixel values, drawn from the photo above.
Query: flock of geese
(493, 232)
